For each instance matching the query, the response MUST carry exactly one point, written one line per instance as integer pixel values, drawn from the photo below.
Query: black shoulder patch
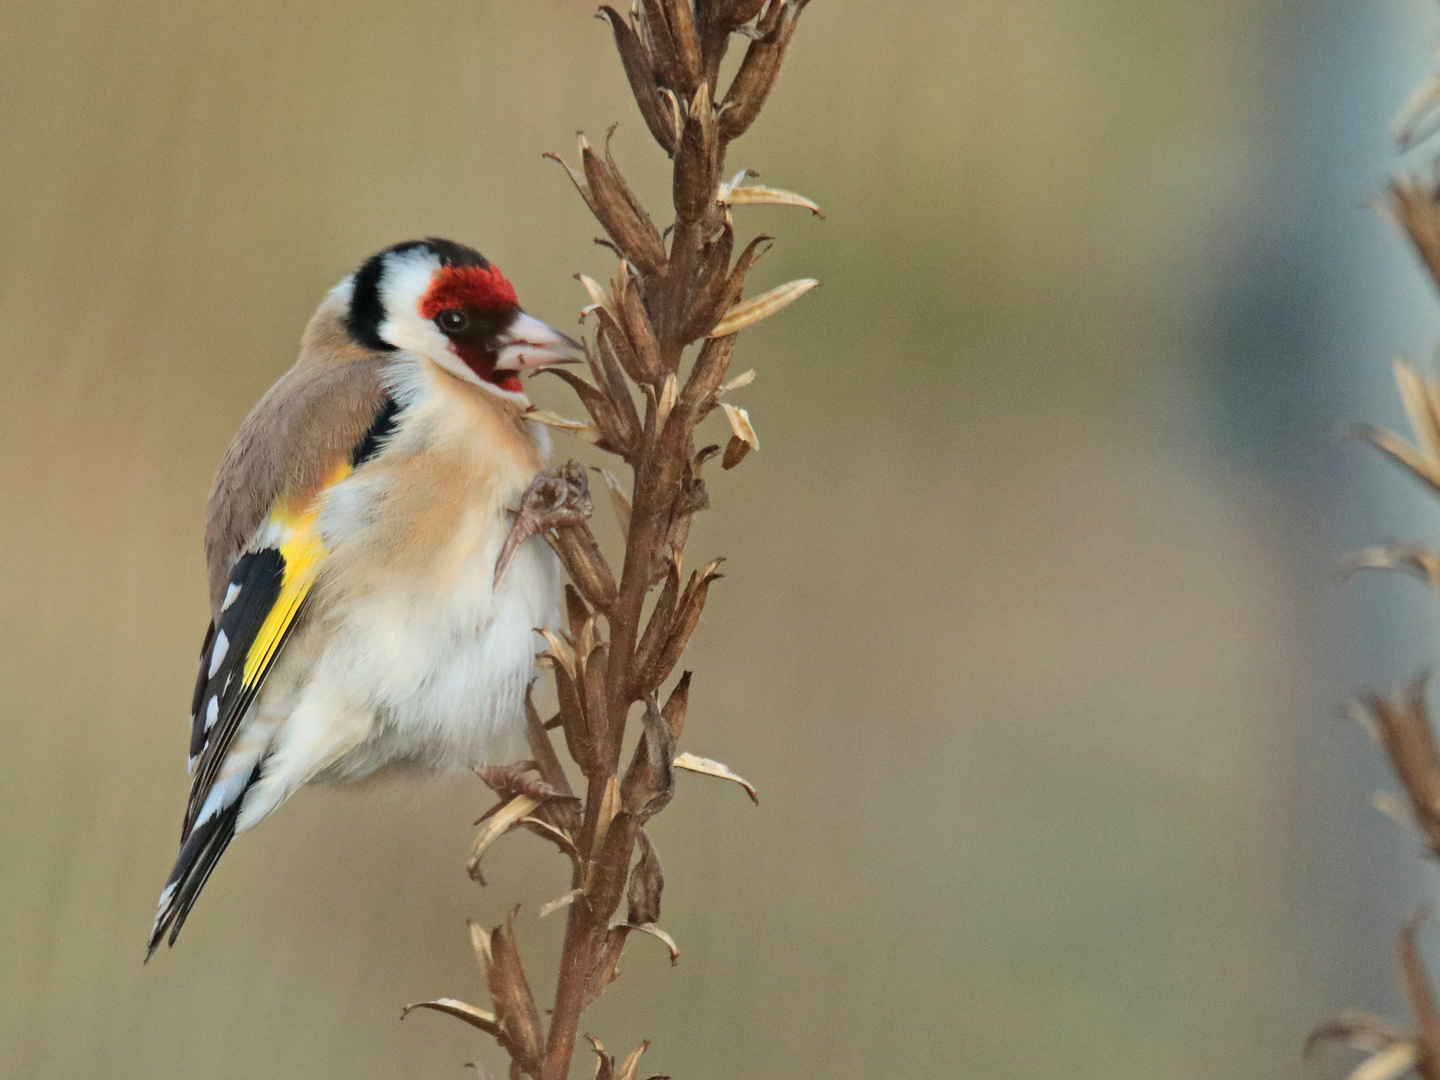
(383, 425)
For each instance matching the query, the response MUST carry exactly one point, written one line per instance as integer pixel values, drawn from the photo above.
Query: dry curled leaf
(740, 425)
(560, 651)
(479, 1018)
(496, 825)
(744, 379)
(749, 312)
(604, 1064)
(579, 428)
(691, 763)
(619, 499)
(631, 1068)
(760, 195)
(562, 901)
(1413, 559)
(659, 935)
(1418, 118)
(1361, 1030)
(1387, 1064)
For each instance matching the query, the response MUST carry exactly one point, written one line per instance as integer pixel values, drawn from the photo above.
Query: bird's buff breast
(430, 658)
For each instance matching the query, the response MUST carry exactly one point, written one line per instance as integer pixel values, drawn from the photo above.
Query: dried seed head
(735, 452)
(660, 44)
(585, 563)
(641, 74)
(759, 70)
(646, 884)
(635, 325)
(510, 993)
(650, 781)
(547, 762)
(731, 14)
(697, 162)
(617, 209)
(676, 705)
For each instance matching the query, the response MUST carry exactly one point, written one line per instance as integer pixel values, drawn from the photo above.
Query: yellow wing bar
(303, 551)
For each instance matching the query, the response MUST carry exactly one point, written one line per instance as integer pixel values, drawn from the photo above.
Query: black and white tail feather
(222, 697)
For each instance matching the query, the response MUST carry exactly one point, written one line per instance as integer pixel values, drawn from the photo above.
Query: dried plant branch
(1402, 725)
(643, 403)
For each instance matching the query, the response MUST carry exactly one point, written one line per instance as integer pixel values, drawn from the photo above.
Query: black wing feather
(223, 697)
(257, 576)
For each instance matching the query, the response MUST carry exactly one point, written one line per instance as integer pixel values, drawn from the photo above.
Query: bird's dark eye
(452, 320)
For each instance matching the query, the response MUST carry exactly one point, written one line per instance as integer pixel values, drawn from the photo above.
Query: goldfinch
(351, 540)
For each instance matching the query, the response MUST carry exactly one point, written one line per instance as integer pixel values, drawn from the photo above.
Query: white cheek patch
(407, 279)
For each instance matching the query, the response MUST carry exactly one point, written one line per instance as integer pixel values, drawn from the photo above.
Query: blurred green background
(1027, 636)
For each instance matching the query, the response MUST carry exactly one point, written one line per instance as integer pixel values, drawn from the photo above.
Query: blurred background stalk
(1038, 672)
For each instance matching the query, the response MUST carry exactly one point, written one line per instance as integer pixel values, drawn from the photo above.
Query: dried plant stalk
(1402, 725)
(643, 405)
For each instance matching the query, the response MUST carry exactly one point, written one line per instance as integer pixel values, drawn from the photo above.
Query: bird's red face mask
(476, 309)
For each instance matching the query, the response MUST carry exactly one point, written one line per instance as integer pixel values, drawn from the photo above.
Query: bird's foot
(555, 498)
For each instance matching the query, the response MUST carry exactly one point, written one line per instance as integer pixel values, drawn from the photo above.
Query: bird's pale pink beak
(528, 343)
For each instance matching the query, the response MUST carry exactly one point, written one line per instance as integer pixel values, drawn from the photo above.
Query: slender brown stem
(615, 655)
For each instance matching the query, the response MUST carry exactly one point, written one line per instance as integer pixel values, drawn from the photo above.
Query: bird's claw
(555, 498)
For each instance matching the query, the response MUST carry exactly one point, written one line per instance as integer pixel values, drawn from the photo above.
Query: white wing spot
(217, 654)
(230, 595)
(212, 711)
